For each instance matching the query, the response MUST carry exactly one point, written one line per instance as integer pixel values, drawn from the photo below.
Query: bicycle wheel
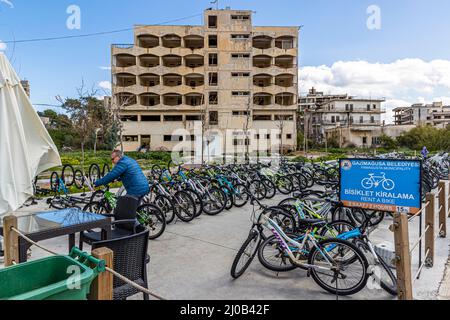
(184, 206)
(96, 207)
(151, 216)
(94, 173)
(106, 169)
(54, 181)
(284, 219)
(79, 179)
(198, 202)
(165, 204)
(284, 184)
(270, 187)
(58, 203)
(214, 201)
(273, 256)
(348, 274)
(381, 272)
(68, 175)
(246, 254)
(240, 195)
(230, 199)
(258, 189)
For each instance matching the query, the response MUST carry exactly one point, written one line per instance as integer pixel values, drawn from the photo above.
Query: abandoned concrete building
(227, 75)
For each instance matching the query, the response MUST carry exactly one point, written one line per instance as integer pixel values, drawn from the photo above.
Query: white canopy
(26, 148)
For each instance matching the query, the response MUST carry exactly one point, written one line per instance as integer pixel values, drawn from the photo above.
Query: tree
(388, 142)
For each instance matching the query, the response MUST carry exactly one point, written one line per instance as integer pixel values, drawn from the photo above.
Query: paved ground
(193, 261)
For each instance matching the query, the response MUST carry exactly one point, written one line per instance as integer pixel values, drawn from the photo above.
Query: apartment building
(435, 114)
(26, 86)
(350, 120)
(226, 76)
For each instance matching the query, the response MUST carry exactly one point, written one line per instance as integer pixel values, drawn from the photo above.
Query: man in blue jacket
(128, 171)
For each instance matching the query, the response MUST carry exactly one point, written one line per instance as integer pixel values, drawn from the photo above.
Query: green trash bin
(51, 278)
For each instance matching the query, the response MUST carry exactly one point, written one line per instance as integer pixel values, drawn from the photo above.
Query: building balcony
(262, 42)
(122, 49)
(147, 41)
(194, 42)
(171, 41)
(262, 80)
(148, 61)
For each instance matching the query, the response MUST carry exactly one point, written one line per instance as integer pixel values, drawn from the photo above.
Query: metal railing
(403, 252)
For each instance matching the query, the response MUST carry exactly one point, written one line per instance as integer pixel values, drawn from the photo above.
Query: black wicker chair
(130, 260)
(125, 213)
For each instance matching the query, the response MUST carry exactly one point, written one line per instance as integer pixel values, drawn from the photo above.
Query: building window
(240, 55)
(240, 113)
(214, 118)
(262, 118)
(347, 108)
(372, 119)
(240, 17)
(173, 138)
(284, 117)
(338, 119)
(368, 107)
(376, 140)
(364, 139)
(212, 41)
(351, 107)
(194, 118)
(361, 119)
(240, 93)
(213, 79)
(151, 118)
(213, 59)
(240, 74)
(333, 119)
(213, 98)
(173, 118)
(190, 138)
(374, 106)
(130, 138)
(289, 136)
(240, 36)
(212, 22)
(129, 118)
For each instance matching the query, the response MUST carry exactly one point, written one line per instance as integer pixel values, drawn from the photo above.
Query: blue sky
(336, 45)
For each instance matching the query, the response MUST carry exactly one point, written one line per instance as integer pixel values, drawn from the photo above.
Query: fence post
(448, 197)
(11, 240)
(443, 210)
(402, 257)
(102, 286)
(429, 235)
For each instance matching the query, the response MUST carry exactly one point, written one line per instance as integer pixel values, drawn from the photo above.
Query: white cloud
(401, 82)
(9, 3)
(3, 46)
(104, 68)
(105, 85)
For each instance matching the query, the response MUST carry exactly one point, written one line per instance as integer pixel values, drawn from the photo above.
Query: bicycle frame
(284, 240)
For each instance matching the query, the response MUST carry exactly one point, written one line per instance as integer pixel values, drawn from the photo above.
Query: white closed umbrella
(26, 148)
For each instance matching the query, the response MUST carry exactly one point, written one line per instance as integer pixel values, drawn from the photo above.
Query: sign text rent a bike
(387, 185)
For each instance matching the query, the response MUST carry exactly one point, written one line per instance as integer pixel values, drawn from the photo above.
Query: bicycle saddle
(304, 223)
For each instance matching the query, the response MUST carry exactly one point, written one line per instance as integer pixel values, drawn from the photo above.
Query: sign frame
(371, 206)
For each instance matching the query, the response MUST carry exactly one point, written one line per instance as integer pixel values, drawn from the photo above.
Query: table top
(46, 221)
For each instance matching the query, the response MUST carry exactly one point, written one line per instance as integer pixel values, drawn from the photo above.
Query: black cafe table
(53, 224)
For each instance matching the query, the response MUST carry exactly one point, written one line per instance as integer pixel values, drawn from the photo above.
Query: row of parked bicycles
(308, 229)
